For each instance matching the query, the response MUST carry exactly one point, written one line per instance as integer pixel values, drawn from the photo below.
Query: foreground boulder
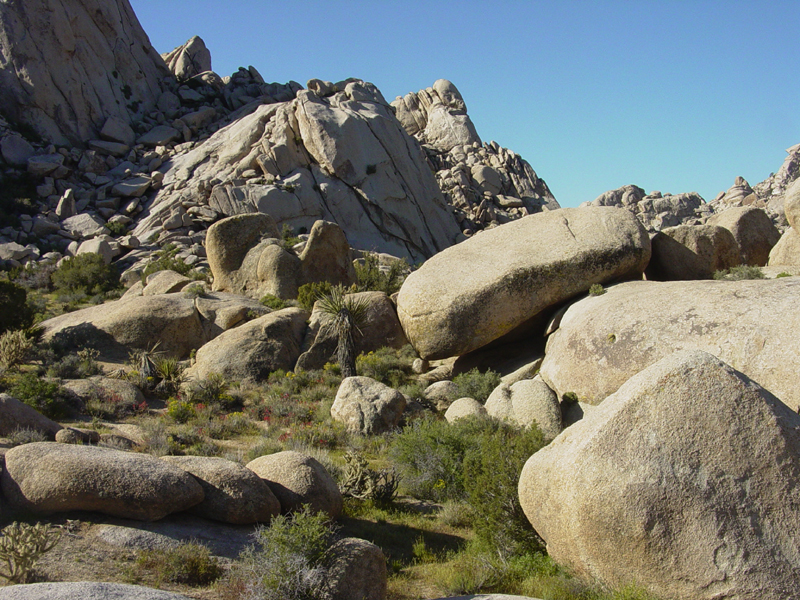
(469, 295)
(18, 415)
(47, 478)
(233, 493)
(692, 252)
(85, 590)
(297, 479)
(685, 482)
(356, 571)
(254, 349)
(367, 407)
(605, 340)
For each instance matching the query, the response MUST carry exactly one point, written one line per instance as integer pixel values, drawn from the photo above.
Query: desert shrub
(188, 563)
(104, 404)
(476, 385)
(492, 466)
(387, 365)
(782, 274)
(212, 391)
(739, 273)
(359, 481)
(195, 290)
(43, 395)
(15, 311)
(288, 238)
(180, 411)
(169, 372)
(15, 347)
(372, 277)
(87, 273)
(286, 561)
(429, 454)
(309, 293)
(273, 302)
(166, 259)
(117, 228)
(35, 275)
(21, 545)
(596, 289)
(24, 435)
(230, 425)
(80, 365)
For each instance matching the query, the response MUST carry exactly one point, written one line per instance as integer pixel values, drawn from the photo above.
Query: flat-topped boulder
(684, 481)
(602, 341)
(483, 288)
(48, 477)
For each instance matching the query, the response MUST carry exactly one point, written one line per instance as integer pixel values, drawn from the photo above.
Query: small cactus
(21, 545)
(359, 481)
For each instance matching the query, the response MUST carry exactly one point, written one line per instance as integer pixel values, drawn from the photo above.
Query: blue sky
(675, 96)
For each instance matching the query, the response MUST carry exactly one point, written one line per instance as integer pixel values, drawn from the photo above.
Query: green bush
(117, 228)
(188, 563)
(15, 311)
(476, 385)
(87, 273)
(273, 302)
(492, 467)
(387, 365)
(371, 277)
(311, 292)
(180, 411)
(41, 394)
(596, 289)
(739, 273)
(166, 260)
(782, 274)
(80, 365)
(286, 561)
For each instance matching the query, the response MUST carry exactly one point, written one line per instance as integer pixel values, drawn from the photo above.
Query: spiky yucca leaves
(21, 546)
(347, 315)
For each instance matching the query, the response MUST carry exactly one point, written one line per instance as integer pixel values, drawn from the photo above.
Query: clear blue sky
(669, 95)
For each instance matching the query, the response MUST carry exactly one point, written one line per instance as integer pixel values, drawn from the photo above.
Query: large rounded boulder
(18, 415)
(47, 477)
(753, 230)
(367, 407)
(603, 341)
(686, 482)
(526, 403)
(475, 292)
(233, 493)
(297, 479)
(692, 252)
(787, 250)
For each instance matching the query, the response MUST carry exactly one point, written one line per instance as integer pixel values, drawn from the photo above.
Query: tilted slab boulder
(475, 292)
(603, 341)
(684, 482)
(48, 477)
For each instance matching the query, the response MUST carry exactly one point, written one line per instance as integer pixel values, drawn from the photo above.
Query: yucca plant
(346, 315)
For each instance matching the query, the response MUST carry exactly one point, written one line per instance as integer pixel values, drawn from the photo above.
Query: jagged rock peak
(68, 67)
(437, 116)
(189, 59)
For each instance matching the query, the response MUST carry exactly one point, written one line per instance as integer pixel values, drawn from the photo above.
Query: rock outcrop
(753, 230)
(603, 341)
(685, 481)
(68, 69)
(189, 59)
(692, 252)
(655, 210)
(480, 290)
(47, 477)
(297, 479)
(367, 407)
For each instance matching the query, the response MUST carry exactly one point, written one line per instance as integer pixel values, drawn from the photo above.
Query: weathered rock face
(486, 184)
(685, 481)
(254, 349)
(791, 205)
(189, 59)
(472, 294)
(605, 340)
(18, 415)
(787, 250)
(772, 190)
(367, 407)
(233, 493)
(47, 477)
(69, 68)
(297, 479)
(381, 329)
(753, 230)
(526, 403)
(692, 252)
(342, 157)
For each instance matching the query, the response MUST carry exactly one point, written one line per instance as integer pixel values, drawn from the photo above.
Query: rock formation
(69, 69)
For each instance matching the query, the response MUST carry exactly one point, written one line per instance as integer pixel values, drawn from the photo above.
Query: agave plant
(347, 315)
